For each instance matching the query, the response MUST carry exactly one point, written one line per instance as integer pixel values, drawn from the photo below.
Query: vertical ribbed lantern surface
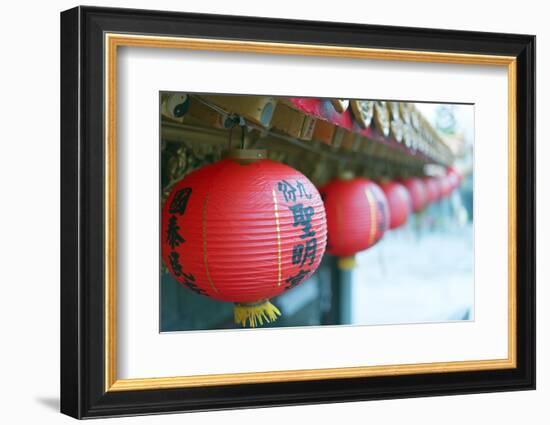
(399, 203)
(417, 191)
(357, 217)
(243, 233)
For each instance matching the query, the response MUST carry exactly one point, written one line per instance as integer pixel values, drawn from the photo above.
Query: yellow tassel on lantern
(347, 263)
(255, 313)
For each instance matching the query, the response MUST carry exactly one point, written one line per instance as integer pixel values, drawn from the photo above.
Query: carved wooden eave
(320, 137)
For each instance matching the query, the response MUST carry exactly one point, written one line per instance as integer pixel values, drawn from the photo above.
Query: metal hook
(230, 122)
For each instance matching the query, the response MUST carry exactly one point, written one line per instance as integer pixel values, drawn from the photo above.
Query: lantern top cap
(346, 175)
(247, 156)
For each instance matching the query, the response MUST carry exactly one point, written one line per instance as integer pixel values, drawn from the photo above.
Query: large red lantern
(399, 203)
(243, 233)
(433, 189)
(418, 193)
(357, 217)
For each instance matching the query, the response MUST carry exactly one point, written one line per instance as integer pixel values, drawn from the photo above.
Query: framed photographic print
(261, 212)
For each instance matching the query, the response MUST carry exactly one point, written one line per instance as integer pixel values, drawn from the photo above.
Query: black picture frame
(82, 219)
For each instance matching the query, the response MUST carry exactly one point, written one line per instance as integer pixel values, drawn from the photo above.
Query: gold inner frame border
(111, 43)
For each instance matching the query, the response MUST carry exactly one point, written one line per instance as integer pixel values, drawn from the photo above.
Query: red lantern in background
(417, 191)
(357, 217)
(433, 189)
(399, 203)
(445, 186)
(243, 233)
(454, 177)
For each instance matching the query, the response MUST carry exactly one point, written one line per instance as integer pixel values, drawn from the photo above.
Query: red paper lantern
(243, 233)
(399, 203)
(454, 177)
(445, 186)
(433, 189)
(417, 191)
(357, 217)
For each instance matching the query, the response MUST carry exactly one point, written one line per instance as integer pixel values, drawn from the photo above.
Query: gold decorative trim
(512, 213)
(204, 256)
(278, 229)
(110, 324)
(382, 117)
(363, 111)
(340, 105)
(306, 375)
(113, 41)
(243, 46)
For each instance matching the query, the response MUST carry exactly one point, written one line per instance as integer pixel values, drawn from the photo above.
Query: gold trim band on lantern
(113, 41)
(373, 215)
(278, 229)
